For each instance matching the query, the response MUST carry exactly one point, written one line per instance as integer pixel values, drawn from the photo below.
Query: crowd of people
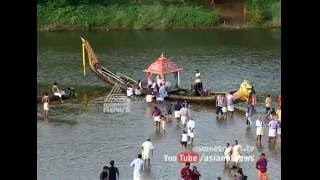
(157, 90)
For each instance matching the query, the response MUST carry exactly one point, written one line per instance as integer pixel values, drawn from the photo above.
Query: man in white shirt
(147, 151)
(185, 115)
(138, 169)
(190, 127)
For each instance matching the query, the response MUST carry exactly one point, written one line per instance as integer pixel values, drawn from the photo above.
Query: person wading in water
(45, 102)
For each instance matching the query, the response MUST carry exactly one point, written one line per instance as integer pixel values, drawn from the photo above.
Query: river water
(78, 139)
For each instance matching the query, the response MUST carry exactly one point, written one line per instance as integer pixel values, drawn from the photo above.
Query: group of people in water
(181, 113)
(58, 93)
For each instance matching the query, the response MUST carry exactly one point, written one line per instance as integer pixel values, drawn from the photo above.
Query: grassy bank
(264, 12)
(135, 17)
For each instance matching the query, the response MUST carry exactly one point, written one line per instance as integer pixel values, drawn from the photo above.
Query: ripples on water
(79, 138)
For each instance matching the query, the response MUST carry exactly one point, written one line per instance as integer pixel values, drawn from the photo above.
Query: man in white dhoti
(147, 151)
(259, 129)
(57, 91)
(235, 156)
(227, 154)
(185, 115)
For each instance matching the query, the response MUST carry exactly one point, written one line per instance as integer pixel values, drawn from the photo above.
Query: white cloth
(272, 132)
(149, 98)
(46, 106)
(184, 119)
(137, 91)
(157, 118)
(147, 147)
(60, 93)
(184, 137)
(136, 177)
(224, 109)
(198, 78)
(176, 114)
(230, 108)
(129, 91)
(259, 130)
(191, 124)
(191, 133)
(235, 157)
(138, 169)
(258, 123)
(185, 112)
(163, 124)
(227, 153)
(279, 131)
(153, 85)
(160, 98)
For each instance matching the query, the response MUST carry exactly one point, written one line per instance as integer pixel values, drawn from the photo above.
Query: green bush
(262, 11)
(129, 17)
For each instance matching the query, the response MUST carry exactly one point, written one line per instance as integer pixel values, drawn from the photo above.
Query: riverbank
(135, 17)
(68, 27)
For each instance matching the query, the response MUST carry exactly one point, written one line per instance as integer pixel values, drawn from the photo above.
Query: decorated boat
(161, 67)
(101, 72)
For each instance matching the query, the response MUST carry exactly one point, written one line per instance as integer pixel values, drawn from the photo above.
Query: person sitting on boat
(57, 91)
(162, 92)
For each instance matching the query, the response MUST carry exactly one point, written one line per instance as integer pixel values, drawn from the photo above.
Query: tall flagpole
(83, 60)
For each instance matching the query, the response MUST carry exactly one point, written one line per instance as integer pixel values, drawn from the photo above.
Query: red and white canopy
(162, 66)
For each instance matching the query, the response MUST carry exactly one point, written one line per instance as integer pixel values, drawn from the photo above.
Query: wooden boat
(185, 94)
(103, 73)
(122, 80)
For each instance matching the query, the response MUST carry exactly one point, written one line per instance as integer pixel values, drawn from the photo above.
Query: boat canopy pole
(178, 78)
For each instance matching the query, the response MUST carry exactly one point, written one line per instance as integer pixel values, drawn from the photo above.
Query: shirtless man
(45, 102)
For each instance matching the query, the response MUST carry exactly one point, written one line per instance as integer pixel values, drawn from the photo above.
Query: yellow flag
(83, 60)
